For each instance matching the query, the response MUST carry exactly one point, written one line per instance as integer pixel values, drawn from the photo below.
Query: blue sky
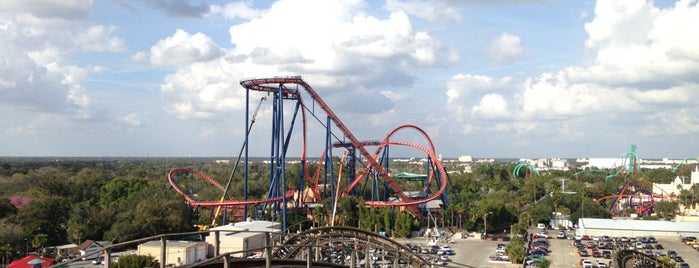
(507, 78)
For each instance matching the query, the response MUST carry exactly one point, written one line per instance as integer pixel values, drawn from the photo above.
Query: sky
(486, 78)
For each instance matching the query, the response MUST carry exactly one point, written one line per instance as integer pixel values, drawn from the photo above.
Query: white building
(634, 228)
(244, 238)
(176, 253)
(677, 185)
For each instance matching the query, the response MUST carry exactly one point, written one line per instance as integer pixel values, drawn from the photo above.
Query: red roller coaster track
(277, 84)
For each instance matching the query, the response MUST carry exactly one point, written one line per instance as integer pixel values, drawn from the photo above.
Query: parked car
(606, 254)
(561, 235)
(98, 261)
(601, 264)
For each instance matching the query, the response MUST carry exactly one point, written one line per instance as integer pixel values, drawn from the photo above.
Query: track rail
(279, 84)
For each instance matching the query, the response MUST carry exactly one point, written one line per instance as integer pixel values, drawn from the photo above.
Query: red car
(596, 253)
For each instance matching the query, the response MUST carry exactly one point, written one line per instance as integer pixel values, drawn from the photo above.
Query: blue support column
(245, 172)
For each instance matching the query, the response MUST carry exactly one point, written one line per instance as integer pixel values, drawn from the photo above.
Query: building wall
(187, 254)
(634, 233)
(236, 242)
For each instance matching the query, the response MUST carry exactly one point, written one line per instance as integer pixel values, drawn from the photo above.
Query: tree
(6, 208)
(133, 261)
(515, 249)
(45, 215)
(666, 209)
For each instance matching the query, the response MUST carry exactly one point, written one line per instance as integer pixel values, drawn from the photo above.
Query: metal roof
(172, 243)
(638, 225)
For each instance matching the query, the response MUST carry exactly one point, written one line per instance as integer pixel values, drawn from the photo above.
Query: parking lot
(474, 252)
(564, 254)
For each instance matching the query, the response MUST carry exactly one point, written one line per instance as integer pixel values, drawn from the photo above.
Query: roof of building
(67, 246)
(25, 262)
(252, 226)
(172, 243)
(640, 225)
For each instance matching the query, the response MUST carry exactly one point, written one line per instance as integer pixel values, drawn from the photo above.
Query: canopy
(30, 261)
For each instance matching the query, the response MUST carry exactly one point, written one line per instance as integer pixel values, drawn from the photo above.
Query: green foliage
(516, 250)
(297, 220)
(404, 224)
(46, 216)
(147, 218)
(6, 208)
(666, 209)
(118, 190)
(136, 261)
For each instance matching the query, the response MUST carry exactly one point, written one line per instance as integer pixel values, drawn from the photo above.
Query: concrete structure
(248, 236)
(90, 249)
(67, 250)
(634, 228)
(177, 252)
(677, 185)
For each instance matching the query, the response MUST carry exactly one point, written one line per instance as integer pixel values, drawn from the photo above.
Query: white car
(587, 264)
(601, 264)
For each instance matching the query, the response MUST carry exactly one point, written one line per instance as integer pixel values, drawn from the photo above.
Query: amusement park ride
(636, 195)
(313, 185)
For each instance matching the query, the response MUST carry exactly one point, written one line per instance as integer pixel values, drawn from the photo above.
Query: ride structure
(529, 170)
(630, 164)
(291, 93)
(679, 168)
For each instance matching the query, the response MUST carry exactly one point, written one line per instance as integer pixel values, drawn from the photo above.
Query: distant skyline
(490, 79)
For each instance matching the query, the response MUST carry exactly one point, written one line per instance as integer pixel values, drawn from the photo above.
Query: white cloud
(635, 43)
(235, 10)
(506, 48)
(491, 106)
(131, 119)
(443, 11)
(203, 90)
(182, 48)
(37, 71)
(48, 9)
(342, 50)
(98, 38)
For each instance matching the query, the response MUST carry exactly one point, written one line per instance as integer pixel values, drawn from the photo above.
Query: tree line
(48, 202)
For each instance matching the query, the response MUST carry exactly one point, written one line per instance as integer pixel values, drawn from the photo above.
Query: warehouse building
(245, 238)
(634, 228)
(177, 252)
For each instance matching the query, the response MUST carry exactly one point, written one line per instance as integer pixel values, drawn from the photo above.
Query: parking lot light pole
(485, 224)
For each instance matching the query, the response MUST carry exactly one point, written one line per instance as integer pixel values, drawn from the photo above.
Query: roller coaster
(323, 182)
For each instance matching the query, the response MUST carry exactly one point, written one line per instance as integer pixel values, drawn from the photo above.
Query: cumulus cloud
(181, 48)
(636, 43)
(340, 49)
(48, 9)
(492, 105)
(642, 74)
(444, 11)
(506, 48)
(99, 38)
(36, 71)
(201, 90)
(235, 10)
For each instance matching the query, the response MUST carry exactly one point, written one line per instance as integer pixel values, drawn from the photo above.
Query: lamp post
(485, 224)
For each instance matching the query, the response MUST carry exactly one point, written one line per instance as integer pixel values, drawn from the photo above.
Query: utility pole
(485, 224)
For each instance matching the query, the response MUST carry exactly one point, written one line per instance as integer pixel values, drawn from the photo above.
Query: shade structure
(31, 261)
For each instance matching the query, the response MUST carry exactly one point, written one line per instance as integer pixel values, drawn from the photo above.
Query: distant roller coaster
(375, 164)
